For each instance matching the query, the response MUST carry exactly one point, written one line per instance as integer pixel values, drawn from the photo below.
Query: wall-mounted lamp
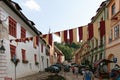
(2, 48)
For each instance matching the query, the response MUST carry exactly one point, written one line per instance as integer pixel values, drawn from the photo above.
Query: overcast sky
(59, 15)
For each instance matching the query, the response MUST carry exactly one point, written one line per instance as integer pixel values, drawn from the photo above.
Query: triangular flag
(57, 33)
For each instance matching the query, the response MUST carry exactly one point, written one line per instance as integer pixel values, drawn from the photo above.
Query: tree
(67, 49)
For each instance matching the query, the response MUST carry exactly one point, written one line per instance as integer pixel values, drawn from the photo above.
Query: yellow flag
(46, 38)
(75, 35)
(62, 36)
(34, 42)
(95, 29)
(85, 33)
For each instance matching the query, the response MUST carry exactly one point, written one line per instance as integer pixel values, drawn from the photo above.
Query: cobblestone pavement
(37, 76)
(43, 76)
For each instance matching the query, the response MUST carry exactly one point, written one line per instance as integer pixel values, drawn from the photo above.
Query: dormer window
(113, 9)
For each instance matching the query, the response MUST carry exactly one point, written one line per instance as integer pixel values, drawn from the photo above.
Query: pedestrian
(88, 75)
(73, 69)
(76, 72)
(115, 74)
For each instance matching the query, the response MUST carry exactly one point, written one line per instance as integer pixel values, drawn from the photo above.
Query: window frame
(23, 54)
(116, 32)
(12, 51)
(12, 27)
(23, 32)
(113, 9)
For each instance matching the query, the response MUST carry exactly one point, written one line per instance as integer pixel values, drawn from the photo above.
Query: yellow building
(113, 39)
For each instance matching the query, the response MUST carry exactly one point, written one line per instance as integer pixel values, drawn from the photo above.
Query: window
(116, 31)
(113, 9)
(35, 57)
(111, 37)
(100, 56)
(95, 57)
(41, 47)
(12, 27)
(23, 54)
(12, 51)
(23, 32)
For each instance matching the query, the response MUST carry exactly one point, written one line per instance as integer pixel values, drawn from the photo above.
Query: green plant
(36, 63)
(25, 61)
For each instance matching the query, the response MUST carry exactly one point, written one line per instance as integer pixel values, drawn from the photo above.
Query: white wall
(22, 69)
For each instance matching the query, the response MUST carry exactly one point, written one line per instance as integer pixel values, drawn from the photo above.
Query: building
(113, 39)
(59, 54)
(24, 49)
(93, 49)
(98, 42)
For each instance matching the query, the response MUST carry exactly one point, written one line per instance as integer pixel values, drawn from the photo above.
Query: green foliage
(67, 49)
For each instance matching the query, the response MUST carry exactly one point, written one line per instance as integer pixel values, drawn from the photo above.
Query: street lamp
(2, 48)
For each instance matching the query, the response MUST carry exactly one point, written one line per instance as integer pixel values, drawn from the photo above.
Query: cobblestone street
(43, 76)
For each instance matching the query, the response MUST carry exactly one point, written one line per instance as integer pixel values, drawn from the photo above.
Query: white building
(22, 44)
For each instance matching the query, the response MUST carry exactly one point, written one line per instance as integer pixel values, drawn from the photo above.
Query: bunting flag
(85, 33)
(45, 37)
(64, 36)
(80, 33)
(71, 35)
(34, 42)
(50, 39)
(90, 31)
(102, 28)
(75, 35)
(95, 30)
(57, 33)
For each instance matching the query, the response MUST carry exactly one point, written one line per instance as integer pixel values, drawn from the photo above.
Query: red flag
(50, 39)
(65, 36)
(71, 35)
(80, 31)
(90, 31)
(102, 28)
(57, 33)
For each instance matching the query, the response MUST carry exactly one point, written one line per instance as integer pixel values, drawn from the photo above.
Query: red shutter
(90, 31)
(80, 31)
(71, 35)
(102, 28)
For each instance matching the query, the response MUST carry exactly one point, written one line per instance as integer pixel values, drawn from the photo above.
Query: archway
(110, 65)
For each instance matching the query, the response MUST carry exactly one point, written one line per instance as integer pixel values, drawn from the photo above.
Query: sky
(59, 15)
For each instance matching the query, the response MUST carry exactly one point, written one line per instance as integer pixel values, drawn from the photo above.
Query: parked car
(53, 69)
(66, 68)
(58, 65)
(81, 69)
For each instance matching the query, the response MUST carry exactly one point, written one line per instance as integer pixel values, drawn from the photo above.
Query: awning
(102, 60)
